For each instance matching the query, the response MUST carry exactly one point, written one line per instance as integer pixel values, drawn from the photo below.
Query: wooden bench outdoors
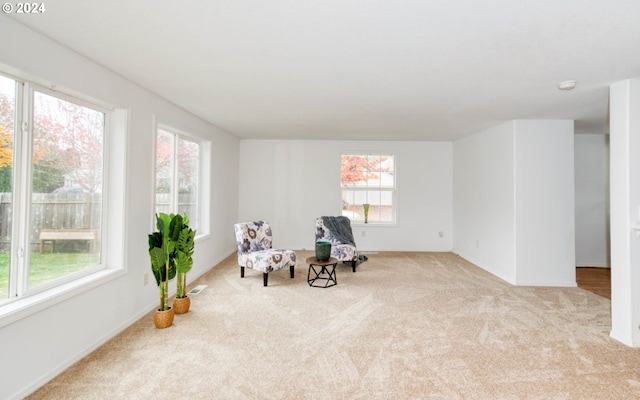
(51, 235)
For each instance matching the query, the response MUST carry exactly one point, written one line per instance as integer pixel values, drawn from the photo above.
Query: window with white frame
(177, 174)
(368, 187)
(52, 152)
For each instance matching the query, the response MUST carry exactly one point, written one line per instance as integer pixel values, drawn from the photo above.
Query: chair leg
(265, 278)
(291, 270)
(241, 272)
(353, 264)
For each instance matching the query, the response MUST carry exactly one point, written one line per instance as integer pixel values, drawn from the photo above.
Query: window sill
(22, 308)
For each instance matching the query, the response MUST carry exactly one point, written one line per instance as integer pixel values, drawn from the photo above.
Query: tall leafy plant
(183, 258)
(162, 249)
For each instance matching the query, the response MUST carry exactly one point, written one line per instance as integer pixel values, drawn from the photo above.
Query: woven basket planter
(181, 306)
(163, 319)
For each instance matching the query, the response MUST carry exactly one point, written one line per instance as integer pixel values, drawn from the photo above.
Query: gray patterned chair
(254, 241)
(337, 230)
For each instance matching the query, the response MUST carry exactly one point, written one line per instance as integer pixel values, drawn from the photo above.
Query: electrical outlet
(146, 279)
(477, 244)
(440, 235)
(364, 233)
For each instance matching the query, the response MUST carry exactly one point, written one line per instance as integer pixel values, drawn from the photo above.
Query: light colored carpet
(405, 326)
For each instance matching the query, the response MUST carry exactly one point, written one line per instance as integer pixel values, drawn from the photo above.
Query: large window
(368, 182)
(177, 161)
(51, 188)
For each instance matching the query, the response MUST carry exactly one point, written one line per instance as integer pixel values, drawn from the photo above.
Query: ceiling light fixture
(567, 85)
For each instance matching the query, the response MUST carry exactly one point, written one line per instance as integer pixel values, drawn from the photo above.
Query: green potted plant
(184, 261)
(162, 245)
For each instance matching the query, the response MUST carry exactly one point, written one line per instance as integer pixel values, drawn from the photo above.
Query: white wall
(483, 200)
(625, 210)
(289, 183)
(592, 200)
(545, 221)
(513, 201)
(36, 348)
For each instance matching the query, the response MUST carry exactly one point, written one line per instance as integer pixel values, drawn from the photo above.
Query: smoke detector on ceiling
(567, 85)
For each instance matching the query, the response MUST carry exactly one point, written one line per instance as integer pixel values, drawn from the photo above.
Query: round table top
(314, 261)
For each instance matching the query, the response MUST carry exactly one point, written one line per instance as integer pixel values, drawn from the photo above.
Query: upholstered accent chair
(337, 230)
(254, 240)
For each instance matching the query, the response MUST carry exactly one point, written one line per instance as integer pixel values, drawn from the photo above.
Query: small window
(177, 174)
(368, 183)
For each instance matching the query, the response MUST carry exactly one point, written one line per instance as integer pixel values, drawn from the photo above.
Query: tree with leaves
(6, 143)
(67, 143)
(355, 168)
(165, 155)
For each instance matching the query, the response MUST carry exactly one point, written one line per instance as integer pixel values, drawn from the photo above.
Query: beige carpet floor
(405, 326)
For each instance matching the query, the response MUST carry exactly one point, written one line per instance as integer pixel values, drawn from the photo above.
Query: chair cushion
(268, 260)
(344, 252)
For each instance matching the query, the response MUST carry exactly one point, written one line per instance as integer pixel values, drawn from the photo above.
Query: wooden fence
(52, 211)
(186, 204)
(67, 211)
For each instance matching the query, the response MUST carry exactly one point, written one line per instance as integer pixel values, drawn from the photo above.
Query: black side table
(324, 272)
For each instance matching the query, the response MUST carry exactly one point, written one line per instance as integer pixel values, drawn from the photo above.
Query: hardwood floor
(595, 280)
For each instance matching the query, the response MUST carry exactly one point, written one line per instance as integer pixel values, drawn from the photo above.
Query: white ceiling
(361, 69)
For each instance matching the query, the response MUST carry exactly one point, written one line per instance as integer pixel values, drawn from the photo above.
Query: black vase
(323, 250)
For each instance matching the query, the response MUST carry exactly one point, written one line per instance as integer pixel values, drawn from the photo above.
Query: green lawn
(46, 267)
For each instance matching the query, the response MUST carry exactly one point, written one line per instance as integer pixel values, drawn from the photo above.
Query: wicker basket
(181, 306)
(163, 319)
